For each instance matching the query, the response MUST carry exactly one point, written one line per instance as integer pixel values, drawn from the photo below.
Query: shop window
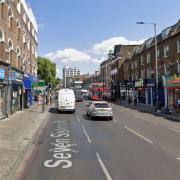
(166, 51)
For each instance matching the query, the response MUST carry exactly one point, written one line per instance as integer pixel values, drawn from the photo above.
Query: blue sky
(80, 32)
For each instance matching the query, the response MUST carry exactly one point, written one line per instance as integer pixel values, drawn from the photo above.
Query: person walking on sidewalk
(50, 99)
(135, 100)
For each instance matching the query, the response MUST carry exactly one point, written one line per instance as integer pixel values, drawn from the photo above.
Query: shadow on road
(96, 118)
(54, 110)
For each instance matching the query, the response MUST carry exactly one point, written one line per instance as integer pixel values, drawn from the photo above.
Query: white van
(66, 100)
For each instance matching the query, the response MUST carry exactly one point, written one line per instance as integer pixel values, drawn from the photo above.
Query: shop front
(173, 90)
(27, 81)
(150, 91)
(123, 90)
(16, 77)
(3, 90)
(140, 91)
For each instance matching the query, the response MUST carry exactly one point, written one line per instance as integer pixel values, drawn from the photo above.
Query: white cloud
(108, 44)
(88, 60)
(69, 55)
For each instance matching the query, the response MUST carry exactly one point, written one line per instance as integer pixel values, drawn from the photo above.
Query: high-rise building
(69, 74)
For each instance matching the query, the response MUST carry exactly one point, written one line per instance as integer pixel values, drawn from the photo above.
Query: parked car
(99, 109)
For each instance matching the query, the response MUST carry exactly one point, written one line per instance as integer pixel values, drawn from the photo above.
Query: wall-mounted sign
(2, 73)
(12, 76)
(139, 83)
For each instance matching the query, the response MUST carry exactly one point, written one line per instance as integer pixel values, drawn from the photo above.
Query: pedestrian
(135, 100)
(50, 98)
(178, 103)
(129, 100)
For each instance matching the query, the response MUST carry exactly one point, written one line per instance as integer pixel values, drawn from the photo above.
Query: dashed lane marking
(78, 118)
(108, 176)
(138, 134)
(86, 134)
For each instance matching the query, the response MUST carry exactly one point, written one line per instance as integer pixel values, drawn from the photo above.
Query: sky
(79, 33)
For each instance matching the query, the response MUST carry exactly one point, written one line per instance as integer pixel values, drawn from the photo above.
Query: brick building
(18, 55)
(139, 69)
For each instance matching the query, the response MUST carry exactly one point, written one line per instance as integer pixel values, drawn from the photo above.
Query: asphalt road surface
(134, 146)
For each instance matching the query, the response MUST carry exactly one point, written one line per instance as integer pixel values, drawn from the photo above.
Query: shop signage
(12, 76)
(173, 81)
(139, 83)
(149, 82)
(2, 73)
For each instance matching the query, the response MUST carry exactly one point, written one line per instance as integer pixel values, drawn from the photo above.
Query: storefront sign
(2, 73)
(150, 83)
(139, 83)
(173, 81)
(12, 76)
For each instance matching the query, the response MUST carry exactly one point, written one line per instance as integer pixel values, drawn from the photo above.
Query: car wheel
(87, 114)
(111, 118)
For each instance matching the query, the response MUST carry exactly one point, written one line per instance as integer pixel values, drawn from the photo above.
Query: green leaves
(46, 70)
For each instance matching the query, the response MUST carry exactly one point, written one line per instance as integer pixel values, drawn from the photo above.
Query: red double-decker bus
(97, 91)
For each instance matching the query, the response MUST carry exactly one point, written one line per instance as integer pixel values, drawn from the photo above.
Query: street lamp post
(156, 64)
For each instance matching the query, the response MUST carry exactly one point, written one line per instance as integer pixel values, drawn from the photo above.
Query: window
(142, 74)
(1, 36)
(158, 54)
(10, 45)
(19, 6)
(132, 66)
(148, 58)
(166, 51)
(135, 64)
(167, 69)
(24, 18)
(178, 46)
(149, 73)
(178, 66)
(142, 60)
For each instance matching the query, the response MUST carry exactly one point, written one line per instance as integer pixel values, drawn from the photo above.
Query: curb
(27, 151)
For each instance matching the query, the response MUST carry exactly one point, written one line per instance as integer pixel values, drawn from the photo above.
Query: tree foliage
(46, 70)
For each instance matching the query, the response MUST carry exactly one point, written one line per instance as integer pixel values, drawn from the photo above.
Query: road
(134, 146)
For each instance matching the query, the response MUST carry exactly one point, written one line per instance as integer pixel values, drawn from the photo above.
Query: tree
(46, 70)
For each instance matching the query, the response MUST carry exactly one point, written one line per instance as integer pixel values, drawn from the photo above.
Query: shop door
(2, 103)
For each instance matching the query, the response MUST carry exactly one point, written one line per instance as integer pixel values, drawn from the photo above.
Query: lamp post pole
(156, 62)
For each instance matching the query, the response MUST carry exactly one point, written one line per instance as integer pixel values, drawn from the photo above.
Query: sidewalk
(175, 116)
(16, 133)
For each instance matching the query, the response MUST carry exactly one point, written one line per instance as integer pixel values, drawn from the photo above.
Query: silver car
(99, 109)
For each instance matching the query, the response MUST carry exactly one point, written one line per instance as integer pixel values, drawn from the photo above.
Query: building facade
(69, 74)
(18, 52)
(140, 69)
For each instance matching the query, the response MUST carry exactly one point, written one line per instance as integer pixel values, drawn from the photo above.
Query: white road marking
(114, 120)
(86, 134)
(78, 118)
(178, 159)
(175, 130)
(108, 176)
(138, 134)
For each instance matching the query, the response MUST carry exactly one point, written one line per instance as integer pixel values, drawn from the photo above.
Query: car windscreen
(101, 105)
(78, 93)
